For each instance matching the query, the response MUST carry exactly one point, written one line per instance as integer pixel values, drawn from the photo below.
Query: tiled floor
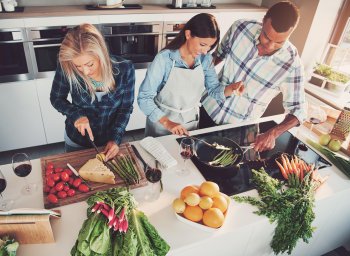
(57, 148)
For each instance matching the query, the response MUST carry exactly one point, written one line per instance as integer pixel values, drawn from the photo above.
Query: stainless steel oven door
(15, 63)
(45, 43)
(170, 31)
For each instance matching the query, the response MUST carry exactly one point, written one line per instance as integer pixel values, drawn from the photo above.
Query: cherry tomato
(71, 192)
(62, 194)
(59, 186)
(77, 182)
(50, 182)
(71, 180)
(68, 171)
(83, 188)
(58, 169)
(64, 176)
(49, 171)
(56, 177)
(66, 188)
(49, 165)
(52, 198)
(47, 189)
(53, 191)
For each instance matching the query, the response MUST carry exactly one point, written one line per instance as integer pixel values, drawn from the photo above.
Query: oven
(45, 43)
(138, 42)
(15, 63)
(170, 30)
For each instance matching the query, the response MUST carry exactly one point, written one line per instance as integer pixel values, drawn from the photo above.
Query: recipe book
(30, 211)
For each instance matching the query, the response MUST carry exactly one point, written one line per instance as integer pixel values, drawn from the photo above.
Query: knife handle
(77, 174)
(137, 153)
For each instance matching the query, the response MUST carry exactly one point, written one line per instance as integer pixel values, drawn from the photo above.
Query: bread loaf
(95, 170)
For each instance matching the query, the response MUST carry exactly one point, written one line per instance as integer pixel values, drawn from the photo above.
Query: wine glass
(155, 187)
(4, 204)
(186, 152)
(316, 115)
(22, 167)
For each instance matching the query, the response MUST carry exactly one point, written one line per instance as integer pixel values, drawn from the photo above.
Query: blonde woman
(101, 87)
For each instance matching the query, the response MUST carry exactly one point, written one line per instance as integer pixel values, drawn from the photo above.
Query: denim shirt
(108, 117)
(158, 73)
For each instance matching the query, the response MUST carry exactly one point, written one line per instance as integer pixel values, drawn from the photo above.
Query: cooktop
(240, 179)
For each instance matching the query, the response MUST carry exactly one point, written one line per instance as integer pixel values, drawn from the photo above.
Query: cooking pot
(205, 154)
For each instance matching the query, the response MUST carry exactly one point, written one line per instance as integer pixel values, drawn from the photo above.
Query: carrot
(294, 167)
(301, 174)
(284, 164)
(283, 171)
(290, 169)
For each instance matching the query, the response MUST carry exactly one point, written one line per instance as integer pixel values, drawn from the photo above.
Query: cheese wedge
(95, 170)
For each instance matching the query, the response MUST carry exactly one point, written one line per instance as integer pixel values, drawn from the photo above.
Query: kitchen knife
(77, 174)
(137, 153)
(94, 145)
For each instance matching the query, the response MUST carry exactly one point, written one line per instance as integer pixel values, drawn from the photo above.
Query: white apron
(179, 100)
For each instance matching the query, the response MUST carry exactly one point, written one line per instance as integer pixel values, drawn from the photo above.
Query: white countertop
(243, 232)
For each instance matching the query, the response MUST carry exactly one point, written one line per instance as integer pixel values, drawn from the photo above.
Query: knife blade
(94, 145)
(78, 175)
(137, 153)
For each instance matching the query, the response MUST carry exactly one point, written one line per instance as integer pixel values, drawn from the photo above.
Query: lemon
(179, 205)
(192, 199)
(206, 202)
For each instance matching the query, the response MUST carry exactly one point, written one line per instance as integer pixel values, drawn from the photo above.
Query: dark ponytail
(202, 25)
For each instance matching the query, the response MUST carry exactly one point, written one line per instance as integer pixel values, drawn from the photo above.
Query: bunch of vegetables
(61, 183)
(224, 158)
(8, 247)
(123, 166)
(340, 162)
(115, 227)
(295, 169)
(291, 208)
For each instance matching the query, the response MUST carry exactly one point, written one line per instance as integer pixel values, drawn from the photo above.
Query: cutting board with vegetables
(58, 163)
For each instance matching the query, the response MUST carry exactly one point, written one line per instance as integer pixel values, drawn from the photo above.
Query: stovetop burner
(244, 136)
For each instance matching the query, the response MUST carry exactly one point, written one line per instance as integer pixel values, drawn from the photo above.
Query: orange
(193, 213)
(209, 188)
(213, 218)
(188, 189)
(192, 199)
(206, 202)
(220, 202)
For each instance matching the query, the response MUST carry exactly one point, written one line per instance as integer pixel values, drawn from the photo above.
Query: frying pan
(205, 154)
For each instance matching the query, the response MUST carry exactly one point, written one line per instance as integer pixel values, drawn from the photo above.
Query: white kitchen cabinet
(137, 118)
(21, 124)
(53, 121)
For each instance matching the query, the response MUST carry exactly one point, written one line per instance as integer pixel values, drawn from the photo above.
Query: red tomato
(59, 186)
(62, 194)
(71, 192)
(49, 171)
(71, 180)
(83, 188)
(47, 189)
(66, 188)
(64, 176)
(77, 182)
(49, 165)
(50, 182)
(53, 191)
(58, 169)
(56, 177)
(52, 198)
(69, 172)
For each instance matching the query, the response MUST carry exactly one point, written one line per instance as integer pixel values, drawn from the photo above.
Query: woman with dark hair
(171, 91)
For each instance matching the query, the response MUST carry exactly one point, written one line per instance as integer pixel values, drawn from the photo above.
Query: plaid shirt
(264, 77)
(108, 117)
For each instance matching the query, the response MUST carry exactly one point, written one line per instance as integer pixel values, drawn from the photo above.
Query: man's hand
(173, 127)
(265, 141)
(234, 88)
(83, 124)
(111, 150)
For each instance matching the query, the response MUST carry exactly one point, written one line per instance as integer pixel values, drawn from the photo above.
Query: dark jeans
(205, 120)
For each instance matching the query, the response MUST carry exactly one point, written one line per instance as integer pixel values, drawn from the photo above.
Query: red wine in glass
(23, 170)
(22, 167)
(186, 152)
(3, 184)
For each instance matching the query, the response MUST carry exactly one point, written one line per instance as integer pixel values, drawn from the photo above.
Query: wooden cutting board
(77, 159)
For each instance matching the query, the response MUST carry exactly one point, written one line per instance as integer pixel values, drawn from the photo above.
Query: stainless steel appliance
(15, 63)
(138, 42)
(170, 30)
(44, 45)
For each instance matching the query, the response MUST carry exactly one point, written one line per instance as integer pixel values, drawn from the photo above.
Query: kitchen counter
(243, 232)
(80, 10)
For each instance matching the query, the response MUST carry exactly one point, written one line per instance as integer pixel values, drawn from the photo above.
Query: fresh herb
(224, 158)
(290, 207)
(8, 246)
(115, 227)
(341, 163)
(330, 74)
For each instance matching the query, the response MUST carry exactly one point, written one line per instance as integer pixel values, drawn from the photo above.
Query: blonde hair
(86, 39)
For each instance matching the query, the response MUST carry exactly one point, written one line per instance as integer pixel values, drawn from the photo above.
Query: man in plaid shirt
(260, 59)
